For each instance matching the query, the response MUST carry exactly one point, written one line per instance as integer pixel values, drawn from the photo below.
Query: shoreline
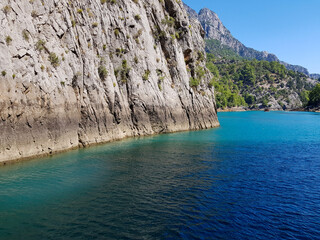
(44, 155)
(241, 109)
(236, 109)
(38, 156)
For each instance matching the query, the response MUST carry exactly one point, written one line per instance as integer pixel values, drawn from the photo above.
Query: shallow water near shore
(255, 177)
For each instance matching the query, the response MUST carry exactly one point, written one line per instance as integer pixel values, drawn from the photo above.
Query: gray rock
(215, 29)
(101, 72)
(315, 76)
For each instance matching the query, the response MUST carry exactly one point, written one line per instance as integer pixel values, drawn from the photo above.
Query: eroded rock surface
(75, 73)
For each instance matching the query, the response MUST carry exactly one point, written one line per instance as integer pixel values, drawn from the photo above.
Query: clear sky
(288, 28)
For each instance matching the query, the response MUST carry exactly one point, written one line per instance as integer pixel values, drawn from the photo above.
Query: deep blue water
(255, 177)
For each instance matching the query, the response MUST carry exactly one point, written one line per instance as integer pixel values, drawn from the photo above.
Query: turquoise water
(255, 177)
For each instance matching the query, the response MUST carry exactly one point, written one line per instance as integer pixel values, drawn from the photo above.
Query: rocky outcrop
(215, 29)
(295, 68)
(75, 73)
(315, 76)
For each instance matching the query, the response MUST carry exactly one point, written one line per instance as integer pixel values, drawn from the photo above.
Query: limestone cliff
(75, 73)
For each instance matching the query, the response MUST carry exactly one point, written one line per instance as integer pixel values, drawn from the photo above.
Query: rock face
(215, 29)
(315, 76)
(75, 73)
(296, 68)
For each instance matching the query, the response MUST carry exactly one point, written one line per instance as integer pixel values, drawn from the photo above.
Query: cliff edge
(75, 73)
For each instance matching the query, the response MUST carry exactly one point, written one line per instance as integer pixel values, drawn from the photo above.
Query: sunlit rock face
(75, 73)
(214, 29)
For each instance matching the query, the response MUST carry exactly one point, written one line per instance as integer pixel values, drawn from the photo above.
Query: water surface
(255, 177)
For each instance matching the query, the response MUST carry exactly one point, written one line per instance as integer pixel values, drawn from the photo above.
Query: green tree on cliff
(248, 75)
(314, 97)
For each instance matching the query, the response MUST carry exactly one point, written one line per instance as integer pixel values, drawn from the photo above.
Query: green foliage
(117, 32)
(265, 101)
(215, 47)
(103, 72)
(290, 84)
(314, 97)
(201, 57)
(169, 21)
(137, 17)
(6, 9)
(120, 52)
(123, 72)
(136, 60)
(146, 75)
(256, 78)
(25, 35)
(304, 97)
(211, 83)
(8, 40)
(241, 82)
(109, 1)
(200, 72)
(247, 75)
(194, 82)
(213, 69)
(54, 59)
(73, 22)
(40, 45)
(211, 57)
(249, 99)
(227, 94)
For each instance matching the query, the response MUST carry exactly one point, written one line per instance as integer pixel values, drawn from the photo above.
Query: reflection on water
(255, 177)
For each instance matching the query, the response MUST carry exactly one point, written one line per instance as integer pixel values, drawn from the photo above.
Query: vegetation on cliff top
(222, 51)
(257, 84)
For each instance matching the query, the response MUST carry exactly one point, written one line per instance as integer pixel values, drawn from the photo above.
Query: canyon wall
(76, 73)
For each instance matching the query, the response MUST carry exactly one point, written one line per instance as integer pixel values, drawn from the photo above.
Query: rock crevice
(75, 73)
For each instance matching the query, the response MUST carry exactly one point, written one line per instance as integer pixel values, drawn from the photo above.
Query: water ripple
(257, 177)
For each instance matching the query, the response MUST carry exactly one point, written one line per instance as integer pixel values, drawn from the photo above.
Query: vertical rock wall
(75, 73)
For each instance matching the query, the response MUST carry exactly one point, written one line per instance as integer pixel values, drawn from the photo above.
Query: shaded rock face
(215, 29)
(75, 73)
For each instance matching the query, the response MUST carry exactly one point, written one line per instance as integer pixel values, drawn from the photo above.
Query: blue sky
(288, 28)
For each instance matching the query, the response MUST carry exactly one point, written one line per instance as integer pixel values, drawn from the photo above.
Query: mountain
(75, 73)
(247, 78)
(315, 76)
(215, 30)
(257, 84)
